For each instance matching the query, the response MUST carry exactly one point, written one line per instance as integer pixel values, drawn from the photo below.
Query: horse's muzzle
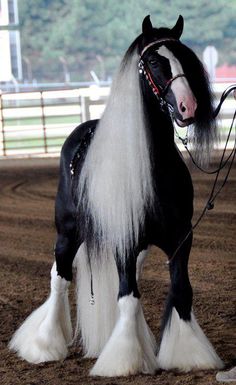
(185, 122)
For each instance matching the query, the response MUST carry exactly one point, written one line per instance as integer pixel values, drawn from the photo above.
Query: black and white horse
(124, 186)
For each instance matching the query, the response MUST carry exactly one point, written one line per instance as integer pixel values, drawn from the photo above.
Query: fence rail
(36, 123)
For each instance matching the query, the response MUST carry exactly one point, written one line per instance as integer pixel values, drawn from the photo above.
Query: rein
(184, 141)
(223, 162)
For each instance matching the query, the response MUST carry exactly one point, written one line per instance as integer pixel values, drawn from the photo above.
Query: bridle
(158, 90)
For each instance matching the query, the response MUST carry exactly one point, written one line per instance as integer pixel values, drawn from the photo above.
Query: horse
(124, 186)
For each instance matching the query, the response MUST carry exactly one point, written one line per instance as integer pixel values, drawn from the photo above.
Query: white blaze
(180, 86)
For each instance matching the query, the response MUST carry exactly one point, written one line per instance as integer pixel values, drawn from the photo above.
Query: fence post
(85, 112)
(2, 133)
(43, 123)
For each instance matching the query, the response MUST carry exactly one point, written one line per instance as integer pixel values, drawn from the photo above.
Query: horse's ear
(147, 26)
(178, 28)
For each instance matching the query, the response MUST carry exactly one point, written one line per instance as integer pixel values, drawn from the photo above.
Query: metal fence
(36, 123)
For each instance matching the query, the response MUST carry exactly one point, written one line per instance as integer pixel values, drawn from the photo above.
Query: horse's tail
(97, 314)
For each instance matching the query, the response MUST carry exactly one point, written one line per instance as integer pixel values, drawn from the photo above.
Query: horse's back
(73, 142)
(72, 156)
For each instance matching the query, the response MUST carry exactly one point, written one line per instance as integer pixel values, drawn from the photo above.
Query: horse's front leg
(47, 332)
(183, 346)
(131, 348)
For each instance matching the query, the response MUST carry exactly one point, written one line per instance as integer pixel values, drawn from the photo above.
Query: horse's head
(175, 74)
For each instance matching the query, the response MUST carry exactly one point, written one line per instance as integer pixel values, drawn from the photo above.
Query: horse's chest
(174, 192)
(172, 184)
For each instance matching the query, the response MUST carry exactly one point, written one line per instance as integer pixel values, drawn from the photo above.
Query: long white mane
(116, 174)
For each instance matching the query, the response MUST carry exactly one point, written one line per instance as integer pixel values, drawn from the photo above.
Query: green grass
(31, 143)
(36, 121)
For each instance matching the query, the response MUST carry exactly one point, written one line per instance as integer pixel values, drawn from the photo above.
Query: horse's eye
(153, 61)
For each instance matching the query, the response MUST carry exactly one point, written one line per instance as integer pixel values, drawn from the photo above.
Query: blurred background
(57, 59)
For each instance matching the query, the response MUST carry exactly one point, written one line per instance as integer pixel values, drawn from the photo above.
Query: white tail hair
(95, 322)
(115, 184)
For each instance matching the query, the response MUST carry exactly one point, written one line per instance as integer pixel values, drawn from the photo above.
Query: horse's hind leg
(46, 333)
(130, 348)
(183, 344)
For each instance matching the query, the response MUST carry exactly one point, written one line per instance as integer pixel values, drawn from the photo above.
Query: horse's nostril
(182, 107)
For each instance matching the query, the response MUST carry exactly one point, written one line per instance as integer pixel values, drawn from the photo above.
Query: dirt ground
(27, 236)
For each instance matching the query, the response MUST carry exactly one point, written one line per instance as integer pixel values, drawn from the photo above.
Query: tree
(93, 35)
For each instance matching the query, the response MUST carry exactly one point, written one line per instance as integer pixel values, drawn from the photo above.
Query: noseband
(159, 91)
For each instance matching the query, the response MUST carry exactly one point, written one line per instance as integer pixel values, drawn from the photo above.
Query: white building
(10, 52)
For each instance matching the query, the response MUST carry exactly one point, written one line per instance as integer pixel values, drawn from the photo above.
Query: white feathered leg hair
(131, 347)
(184, 346)
(96, 321)
(122, 355)
(46, 333)
(116, 333)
